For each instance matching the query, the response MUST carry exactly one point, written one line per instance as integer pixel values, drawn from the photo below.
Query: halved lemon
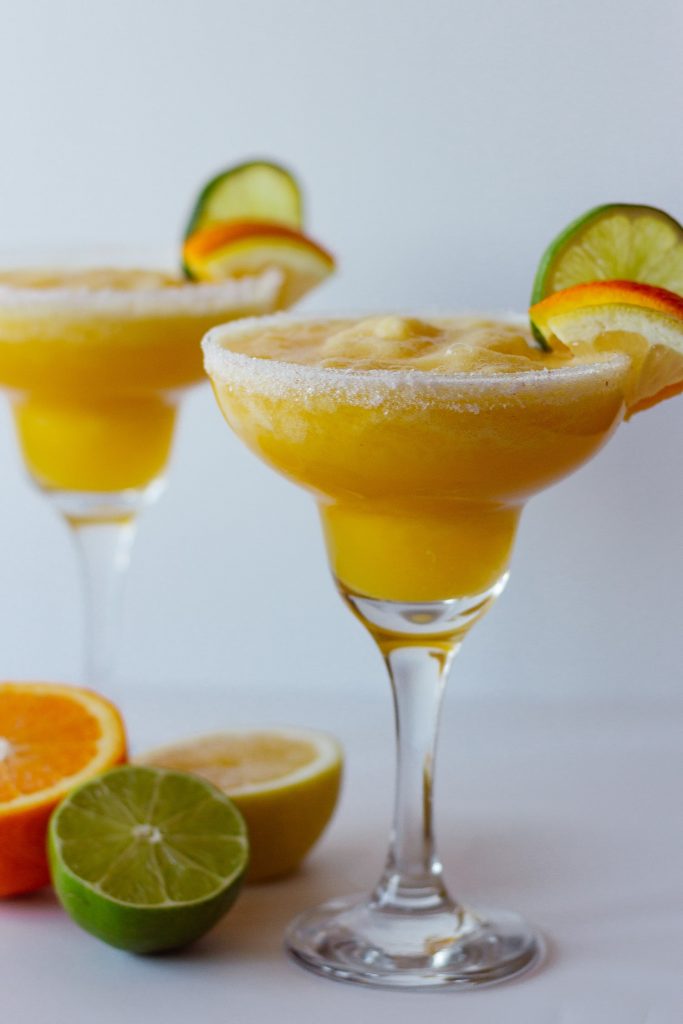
(255, 190)
(285, 783)
(245, 247)
(643, 322)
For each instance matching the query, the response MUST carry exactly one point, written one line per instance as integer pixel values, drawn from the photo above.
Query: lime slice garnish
(617, 242)
(257, 190)
(147, 859)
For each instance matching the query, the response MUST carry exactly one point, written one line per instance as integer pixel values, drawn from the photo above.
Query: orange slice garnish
(239, 248)
(641, 321)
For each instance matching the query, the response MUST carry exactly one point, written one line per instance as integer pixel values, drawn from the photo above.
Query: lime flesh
(257, 190)
(617, 242)
(147, 859)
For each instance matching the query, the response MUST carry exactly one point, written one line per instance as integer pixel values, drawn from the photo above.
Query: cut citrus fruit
(51, 739)
(619, 241)
(257, 190)
(643, 322)
(147, 859)
(246, 247)
(284, 781)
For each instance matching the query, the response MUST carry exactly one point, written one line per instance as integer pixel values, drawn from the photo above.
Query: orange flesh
(657, 365)
(661, 396)
(600, 293)
(207, 240)
(50, 738)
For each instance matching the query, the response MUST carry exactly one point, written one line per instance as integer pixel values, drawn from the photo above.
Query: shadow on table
(254, 929)
(31, 904)
(503, 869)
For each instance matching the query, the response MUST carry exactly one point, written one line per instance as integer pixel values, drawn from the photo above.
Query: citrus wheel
(242, 247)
(642, 322)
(617, 241)
(257, 190)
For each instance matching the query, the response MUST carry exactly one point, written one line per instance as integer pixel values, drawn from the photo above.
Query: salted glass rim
(224, 364)
(220, 297)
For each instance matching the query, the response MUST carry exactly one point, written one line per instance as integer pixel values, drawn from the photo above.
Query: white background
(442, 144)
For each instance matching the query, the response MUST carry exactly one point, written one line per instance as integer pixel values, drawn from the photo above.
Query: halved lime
(147, 859)
(616, 242)
(257, 190)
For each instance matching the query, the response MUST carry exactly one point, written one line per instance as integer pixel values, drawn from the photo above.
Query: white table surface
(569, 813)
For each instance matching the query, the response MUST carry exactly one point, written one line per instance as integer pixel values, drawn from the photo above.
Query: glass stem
(412, 878)
(104, 549)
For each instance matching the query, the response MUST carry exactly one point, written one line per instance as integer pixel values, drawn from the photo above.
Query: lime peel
(254, 190)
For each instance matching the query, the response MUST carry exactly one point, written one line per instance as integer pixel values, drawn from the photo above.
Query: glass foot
(357, 941)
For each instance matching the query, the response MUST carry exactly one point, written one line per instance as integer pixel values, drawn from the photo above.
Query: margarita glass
(95, 357)
(420, 441)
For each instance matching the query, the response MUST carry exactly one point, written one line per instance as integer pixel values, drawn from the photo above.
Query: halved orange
(238, 248)
(640, 320)
(52, 738)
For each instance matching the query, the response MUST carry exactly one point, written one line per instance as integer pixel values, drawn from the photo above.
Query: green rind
(139, 928)
(559, 244)
(562, 242)
(539, 336)
(210, 194)
(135, 929)
(550, 255)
